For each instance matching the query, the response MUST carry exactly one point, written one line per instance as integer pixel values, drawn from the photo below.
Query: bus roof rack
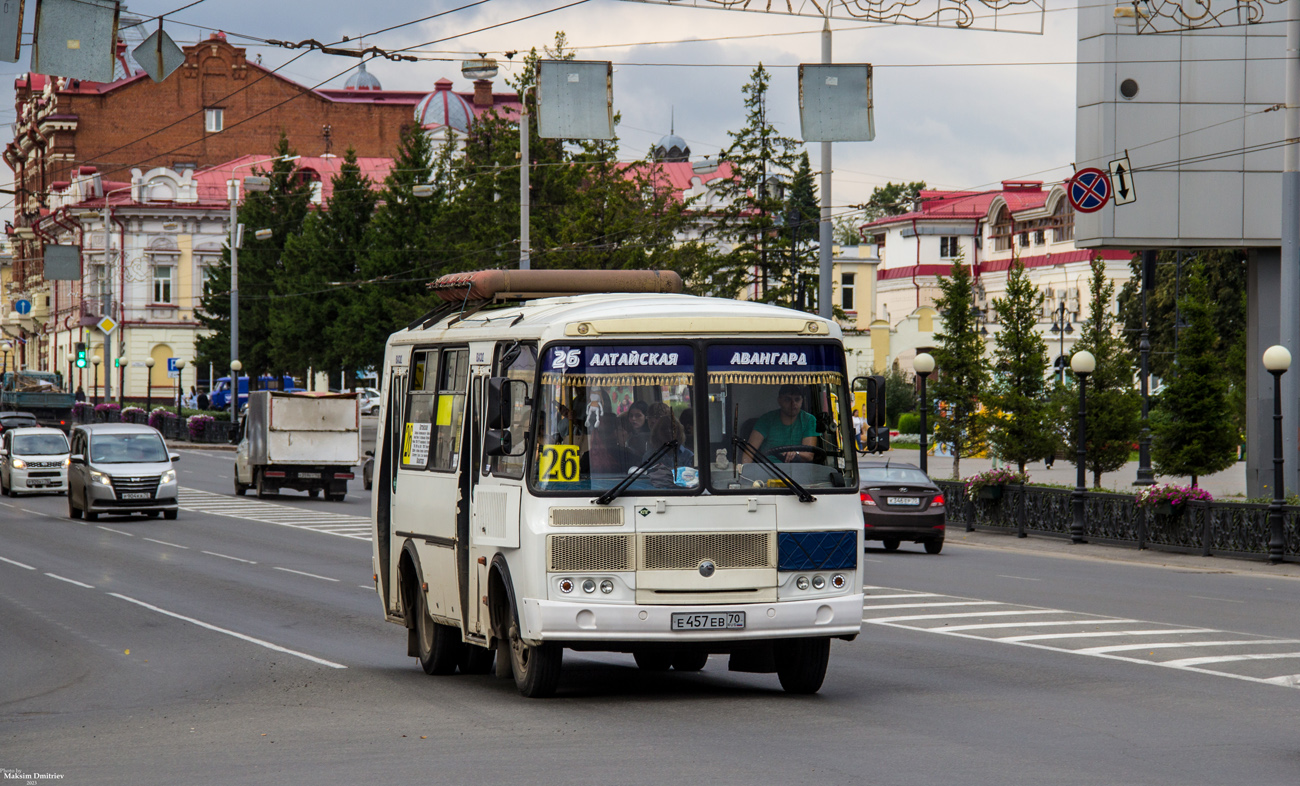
(506, 285)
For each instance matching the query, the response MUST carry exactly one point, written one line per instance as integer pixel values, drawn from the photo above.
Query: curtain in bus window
(417, 433)
(606, 409)
(521, 366)
(452, 380)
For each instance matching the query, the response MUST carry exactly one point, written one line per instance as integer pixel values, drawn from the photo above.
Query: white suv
(33, 459)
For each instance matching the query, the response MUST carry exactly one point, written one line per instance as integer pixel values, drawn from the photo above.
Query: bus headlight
(801, 582)
(819, 582)
(588, 586)
(606, 586)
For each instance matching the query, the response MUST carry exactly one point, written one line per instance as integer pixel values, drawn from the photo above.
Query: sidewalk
(1062, 548)
(1229, 483)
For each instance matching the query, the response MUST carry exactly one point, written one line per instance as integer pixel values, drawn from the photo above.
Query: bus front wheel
(536, 669)
(801, 664)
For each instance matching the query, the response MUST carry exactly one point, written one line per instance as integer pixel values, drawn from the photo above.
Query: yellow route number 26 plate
(559, 464)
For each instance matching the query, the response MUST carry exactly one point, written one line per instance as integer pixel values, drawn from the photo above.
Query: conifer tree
(1018, 393)
(1114, 406)
(961, 372)
(320, 268)
(1193, 430)
(748, 217)
(801, 219)
(282, 209)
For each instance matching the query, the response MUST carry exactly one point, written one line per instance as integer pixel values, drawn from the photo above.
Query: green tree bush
(961, 371)
(1017, 397)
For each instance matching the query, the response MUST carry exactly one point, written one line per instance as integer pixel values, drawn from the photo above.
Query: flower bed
(108, 413)
(197, 425)
(1171, 494)
(159, 415)
(992, 479)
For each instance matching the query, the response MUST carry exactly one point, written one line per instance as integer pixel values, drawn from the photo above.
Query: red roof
(969, 205)
(212, 180)
(677, 175)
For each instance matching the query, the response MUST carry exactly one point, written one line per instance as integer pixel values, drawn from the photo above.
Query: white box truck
(305, 441)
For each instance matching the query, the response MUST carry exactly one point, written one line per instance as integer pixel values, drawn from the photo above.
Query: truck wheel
(336, 497)
(262, 490)
(439, 646)
(536, 669)
(801, 664)
(313, 493)
(240, 488)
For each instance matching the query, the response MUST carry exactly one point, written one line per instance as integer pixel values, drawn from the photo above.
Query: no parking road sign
(1089, 190)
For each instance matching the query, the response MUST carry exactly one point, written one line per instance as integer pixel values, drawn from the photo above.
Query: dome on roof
(672, 148)
(362, 80)
(442, 107)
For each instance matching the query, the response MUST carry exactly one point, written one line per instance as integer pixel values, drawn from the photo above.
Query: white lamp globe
(923, 363)
(1277, 358)
(1083, 362)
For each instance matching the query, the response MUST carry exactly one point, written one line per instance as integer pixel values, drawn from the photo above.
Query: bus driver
(786, 425)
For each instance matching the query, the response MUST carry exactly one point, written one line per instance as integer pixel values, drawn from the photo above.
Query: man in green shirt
(786, 425)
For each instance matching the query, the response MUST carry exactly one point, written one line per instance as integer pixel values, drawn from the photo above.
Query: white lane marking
(118, 531)
(242, 636)
(1108, 652)
(1161, 645)
(367, 588)
(1229, 658)
(1101, 634)
(991, 625)
(1221, 600)
(304, 573)
(165, 543)
(933, 605)
(864, 559)
(905, 595)
(227, 556)
(36, 513)
(1022, 578)
(15, 562)
(912, 617)
(70, 581)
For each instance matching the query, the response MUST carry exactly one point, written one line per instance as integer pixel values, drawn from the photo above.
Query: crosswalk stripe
(1160, 645)
(1229, 659)
(934, 605)
(1036, 624)
(1098, 635)
(913, 617)
(328, 523)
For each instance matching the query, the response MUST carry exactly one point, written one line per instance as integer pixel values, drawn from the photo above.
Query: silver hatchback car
(120, 468)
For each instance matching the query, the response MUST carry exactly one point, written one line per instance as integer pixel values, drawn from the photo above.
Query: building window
(846, 291)
(1002, 230)
(1063, 221)
(1040, 238)
(213, 120)
(948, 247)
(1024, 240)
(162, 283)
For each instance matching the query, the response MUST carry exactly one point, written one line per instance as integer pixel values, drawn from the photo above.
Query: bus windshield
(606, 409)
(786, 402)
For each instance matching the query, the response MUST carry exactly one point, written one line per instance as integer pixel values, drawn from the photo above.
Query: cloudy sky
(955, 108)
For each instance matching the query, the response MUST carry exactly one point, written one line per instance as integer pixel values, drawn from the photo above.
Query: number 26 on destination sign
(558, 464)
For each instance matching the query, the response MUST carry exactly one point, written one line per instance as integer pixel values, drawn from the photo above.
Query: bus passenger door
(387, 457)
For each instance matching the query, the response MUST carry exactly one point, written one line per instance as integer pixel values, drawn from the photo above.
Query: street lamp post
(1083, 364)
(7, 347)
(96, 360)
(121, 380)
(1145, 477)
(1062, 326)
(180, 383)
(923, 365)
(148, 385)
(235, 367)
(1277, 360)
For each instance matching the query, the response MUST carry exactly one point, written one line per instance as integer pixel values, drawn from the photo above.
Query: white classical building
(986, 230)
(167, 232)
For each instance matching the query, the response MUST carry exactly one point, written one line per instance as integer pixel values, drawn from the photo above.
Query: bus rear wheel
(438, 645)
(690, 661)
(536, 669)
(653, 660)
(801, 664)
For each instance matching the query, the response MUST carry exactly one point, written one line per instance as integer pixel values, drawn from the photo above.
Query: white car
(369, 400)
(33, 459)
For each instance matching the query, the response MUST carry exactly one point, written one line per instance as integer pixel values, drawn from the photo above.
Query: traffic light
(117, 362)
(81, 354)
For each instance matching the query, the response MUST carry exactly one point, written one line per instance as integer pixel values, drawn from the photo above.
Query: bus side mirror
(502, 396)
(497, 442)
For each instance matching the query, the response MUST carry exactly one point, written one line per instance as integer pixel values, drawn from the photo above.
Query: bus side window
(450, 409)
(521, 365)
(417, 431)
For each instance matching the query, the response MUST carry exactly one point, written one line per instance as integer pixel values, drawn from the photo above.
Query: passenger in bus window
(638, 430)
(787, 425)
(687, 420)
(666, 430)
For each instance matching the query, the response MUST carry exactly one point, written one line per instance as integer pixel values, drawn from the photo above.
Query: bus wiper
(804, 496)
(642, 468)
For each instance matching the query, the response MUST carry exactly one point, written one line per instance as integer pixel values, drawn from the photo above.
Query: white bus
(631, 470)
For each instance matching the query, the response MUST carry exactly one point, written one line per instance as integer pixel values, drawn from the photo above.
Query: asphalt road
(243, 644)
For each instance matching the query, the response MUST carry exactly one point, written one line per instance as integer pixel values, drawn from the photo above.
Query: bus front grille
(685, 551)
(589, 553)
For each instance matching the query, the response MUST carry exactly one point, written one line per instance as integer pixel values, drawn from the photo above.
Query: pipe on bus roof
(531, 284)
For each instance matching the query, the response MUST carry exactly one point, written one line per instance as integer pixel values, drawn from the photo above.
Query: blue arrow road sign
(23, 307)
